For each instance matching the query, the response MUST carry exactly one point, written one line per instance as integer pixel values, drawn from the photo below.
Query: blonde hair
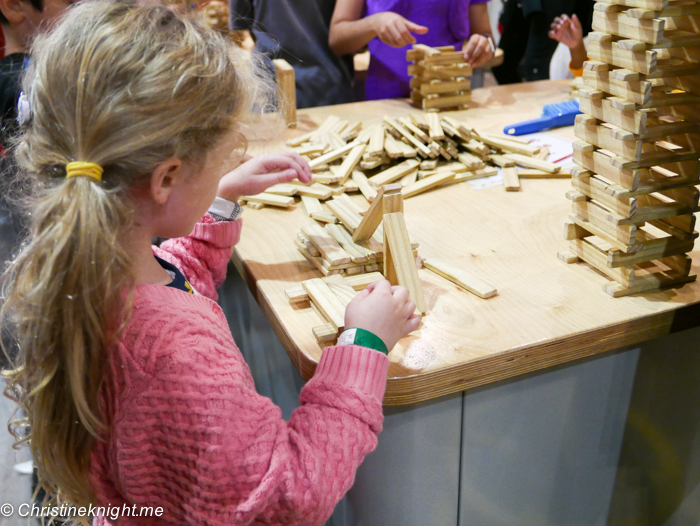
(126, 87)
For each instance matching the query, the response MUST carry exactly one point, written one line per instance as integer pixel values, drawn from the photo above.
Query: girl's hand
(395, 30)
(567, 30)
(386, 311)
(259, 173)
(477, 50)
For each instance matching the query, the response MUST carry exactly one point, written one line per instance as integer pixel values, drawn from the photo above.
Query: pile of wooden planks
(422, 151)
(634, 194)
(440, 78)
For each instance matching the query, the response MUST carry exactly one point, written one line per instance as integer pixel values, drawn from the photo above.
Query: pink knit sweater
(188, 431)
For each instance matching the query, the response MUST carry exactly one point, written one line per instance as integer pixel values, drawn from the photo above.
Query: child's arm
(193, 436)
(203, 255)
(350, 31)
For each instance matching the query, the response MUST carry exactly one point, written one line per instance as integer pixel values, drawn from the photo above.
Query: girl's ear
(164, 179)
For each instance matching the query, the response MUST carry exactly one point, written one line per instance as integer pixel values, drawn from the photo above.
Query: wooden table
(546, 312)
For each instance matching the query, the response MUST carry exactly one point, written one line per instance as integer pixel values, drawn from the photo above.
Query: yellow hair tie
(80, 168)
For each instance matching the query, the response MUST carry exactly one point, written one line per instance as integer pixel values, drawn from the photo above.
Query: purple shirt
(448, 25)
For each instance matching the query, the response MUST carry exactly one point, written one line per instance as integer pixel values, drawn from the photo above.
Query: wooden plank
(656, 249)
(603, 49)
(445, 58)
(637, 91)
(270, 199)
(317, 190)
(653, 5)
(529, 162)
(500, 160)
(426, 184)
(605, 232)
(445, 101)
(329, 248)
(460, 277)
(347, 215)
(325, 333)
(508, 146)
(597, 162)
(373, 216)
(602, 109)
(394, 173)
(592, 255)
(399, 262)
(369, 191)
(327, 124)
(350, 162)
(376, 141)
(445, 86)
(435, 129)
(652, 282)
(511, 181)
(417, 132)
(330, 306)
(472, 162)
(595, 188)
(357, 253)
(422, 148)
(283, 189)
(531, 173)
(311, 204)
(331, 156)
(286, 91)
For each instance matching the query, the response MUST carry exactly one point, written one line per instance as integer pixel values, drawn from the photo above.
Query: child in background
(20, 21)
(135, 392)
(569, 32)
(387, 27)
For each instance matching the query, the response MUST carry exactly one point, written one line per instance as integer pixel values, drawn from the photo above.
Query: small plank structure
(634, 194)
(350, 259)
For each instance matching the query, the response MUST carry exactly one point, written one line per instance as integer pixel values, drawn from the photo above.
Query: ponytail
(64, 297)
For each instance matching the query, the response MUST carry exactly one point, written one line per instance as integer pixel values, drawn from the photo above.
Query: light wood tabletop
(546, 312)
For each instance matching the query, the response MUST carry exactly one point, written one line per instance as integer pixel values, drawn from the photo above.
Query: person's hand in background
(569, 32)
(477, 50)
(395, 30)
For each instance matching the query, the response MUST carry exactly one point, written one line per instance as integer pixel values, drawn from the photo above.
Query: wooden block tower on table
(634, 194)
(440, 78)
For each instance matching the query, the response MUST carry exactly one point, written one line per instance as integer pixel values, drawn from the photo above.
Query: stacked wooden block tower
(440, 78)
(634, 194)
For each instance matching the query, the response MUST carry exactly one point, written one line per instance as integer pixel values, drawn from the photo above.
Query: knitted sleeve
(203, 255)
(196, 438)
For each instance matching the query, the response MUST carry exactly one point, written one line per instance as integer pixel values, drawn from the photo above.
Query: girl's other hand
(386, 311)
(259, 173)
(477, 50)
(395, 30)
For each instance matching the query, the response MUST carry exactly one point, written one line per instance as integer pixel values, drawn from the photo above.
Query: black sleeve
(242, 15)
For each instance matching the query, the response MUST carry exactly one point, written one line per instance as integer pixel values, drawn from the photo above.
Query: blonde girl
(135, 393)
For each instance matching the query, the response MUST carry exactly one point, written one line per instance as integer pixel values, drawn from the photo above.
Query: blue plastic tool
(553, 116)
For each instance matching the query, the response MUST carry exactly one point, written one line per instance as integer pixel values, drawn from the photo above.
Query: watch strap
(224, 210)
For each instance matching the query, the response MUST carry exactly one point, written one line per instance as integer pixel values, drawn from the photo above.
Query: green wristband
(356, 336)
